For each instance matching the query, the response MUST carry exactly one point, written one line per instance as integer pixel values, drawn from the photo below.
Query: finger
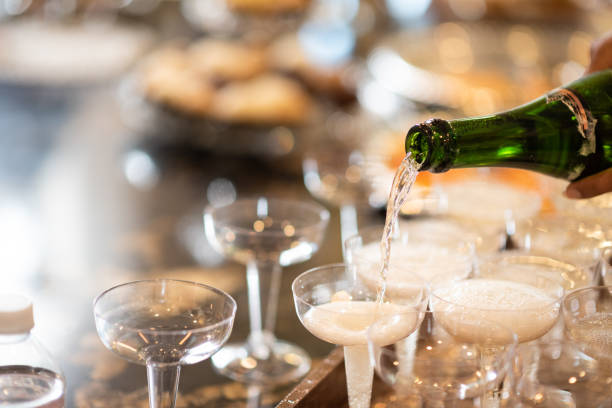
(590, 186)
(601, 54)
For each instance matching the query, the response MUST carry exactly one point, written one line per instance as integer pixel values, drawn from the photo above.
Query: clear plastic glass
(521, 294)
(559, 374)
(29, 376)
(264, 234)
(334, 304)
(568, 238)
(164, 324)
(432, 368)
(435, 250)
(587, 314)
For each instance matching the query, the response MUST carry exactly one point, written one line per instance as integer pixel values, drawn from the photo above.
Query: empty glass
(335, 306)
(587, 314)
(559, 374)
(432, 368)
(264, 234)
(341, 174)
(163, 324)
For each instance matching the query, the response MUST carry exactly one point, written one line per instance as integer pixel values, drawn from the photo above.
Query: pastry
(267, 6)
(226, 60)
(266, 99)
(168, 78)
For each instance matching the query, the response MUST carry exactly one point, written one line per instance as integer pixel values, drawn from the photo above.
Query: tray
(325, 386)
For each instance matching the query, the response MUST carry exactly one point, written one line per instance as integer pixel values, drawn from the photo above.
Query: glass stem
(263, 282)
(163, 383)
(492, 396)
(359, 375)
(348, 224)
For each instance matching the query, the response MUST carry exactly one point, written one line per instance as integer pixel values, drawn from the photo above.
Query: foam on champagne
(464, 308)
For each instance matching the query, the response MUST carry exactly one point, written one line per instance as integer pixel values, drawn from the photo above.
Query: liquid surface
(30, 387)
(346, 322)
(148, 335)
(464, 308)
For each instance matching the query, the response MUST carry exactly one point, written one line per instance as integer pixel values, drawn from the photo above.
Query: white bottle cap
(16, 314)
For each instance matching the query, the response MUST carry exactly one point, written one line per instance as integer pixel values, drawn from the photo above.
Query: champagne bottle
(566, 134)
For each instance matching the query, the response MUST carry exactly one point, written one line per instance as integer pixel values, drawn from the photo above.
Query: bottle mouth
(418, 144)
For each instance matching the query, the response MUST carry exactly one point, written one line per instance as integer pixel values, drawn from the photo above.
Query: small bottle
(29, 378)
(566, 134)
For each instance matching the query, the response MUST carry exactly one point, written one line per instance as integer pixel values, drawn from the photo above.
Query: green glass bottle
(566, 133)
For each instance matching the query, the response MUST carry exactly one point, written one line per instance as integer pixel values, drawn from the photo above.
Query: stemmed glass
(559, 374)
(163, 324)
(340, 174)
(335, 306)
(264, 234)
(588, 320)
(569, 238)
(436, 369)
(437, 251)
(523, 295)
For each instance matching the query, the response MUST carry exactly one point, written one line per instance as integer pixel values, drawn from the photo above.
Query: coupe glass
(436, 250)
(265, 234)
(340, 174)
(572, 239)
(164, 324)
(432, 368)
(559, 374)
(488, 206)
(588, 320)
(335, 306)
(525, 296)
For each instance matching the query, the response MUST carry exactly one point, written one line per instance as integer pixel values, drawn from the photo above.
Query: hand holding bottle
(601, 58)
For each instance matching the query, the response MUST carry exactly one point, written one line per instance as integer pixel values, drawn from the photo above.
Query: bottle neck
(564, 134)
(432, 144)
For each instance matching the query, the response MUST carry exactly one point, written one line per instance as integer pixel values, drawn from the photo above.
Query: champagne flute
(264, 234)
(335, 306)
(164, 324)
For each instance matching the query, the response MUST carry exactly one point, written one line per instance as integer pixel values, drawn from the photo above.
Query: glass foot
(284, 363)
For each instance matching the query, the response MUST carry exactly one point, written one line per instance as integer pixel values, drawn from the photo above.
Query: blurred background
(121, 120)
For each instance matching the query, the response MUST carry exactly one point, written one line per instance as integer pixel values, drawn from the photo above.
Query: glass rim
(423, 288)
(432, 294)
(372, 327)
(315, 207)
(217, 291)
(370, 229)
(576, 292)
